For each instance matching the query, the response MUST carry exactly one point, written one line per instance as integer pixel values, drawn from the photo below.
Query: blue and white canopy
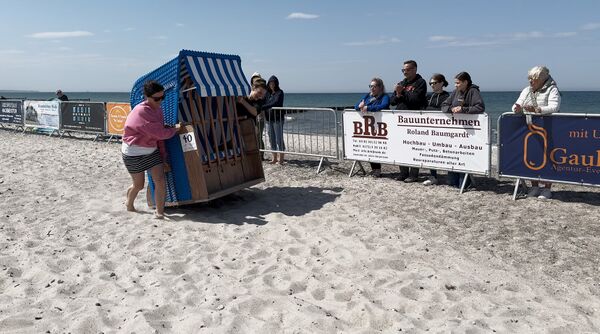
(214, 74)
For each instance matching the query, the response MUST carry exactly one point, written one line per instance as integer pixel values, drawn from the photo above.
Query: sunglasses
(158, 98)
(371, 86)
(404, 70)
(434, 83)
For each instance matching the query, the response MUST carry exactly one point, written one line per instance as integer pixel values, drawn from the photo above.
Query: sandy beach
(299, 253)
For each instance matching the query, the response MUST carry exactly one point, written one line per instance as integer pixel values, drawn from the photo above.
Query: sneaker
(430, 181)
(545, 194)
(376, 173)
(534, 192)
(410, 179)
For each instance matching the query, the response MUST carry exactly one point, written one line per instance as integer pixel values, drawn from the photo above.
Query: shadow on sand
(251, 206)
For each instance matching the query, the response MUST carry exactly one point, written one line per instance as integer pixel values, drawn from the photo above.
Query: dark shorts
(141, 163)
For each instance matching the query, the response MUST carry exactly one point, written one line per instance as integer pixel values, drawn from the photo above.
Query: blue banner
(561, 148)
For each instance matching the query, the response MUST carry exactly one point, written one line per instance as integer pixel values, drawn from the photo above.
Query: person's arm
(396, 98)
(360, 103)
(249, 108)
(553, 102)
(417, 95)
(274, 100)
(383, 103)
(518, 106)
(476, 105)
(156, 130)
(447, 104)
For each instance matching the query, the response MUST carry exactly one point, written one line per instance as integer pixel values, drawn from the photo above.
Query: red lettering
(382, 129)
(358, 128)
(369, 125)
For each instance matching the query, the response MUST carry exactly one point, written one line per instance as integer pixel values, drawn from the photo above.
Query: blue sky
(312, 46)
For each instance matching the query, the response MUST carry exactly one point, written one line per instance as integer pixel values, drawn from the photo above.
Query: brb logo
(369, 128)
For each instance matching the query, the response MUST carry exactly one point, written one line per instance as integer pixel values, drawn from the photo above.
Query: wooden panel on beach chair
(252, 163)
(231, 171)
(250, 143)
(212, 178)
(195, 172)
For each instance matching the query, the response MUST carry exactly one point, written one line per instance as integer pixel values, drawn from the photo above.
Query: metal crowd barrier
(312, 132)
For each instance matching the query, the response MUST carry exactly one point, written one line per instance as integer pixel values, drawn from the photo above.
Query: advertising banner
(559, 148)
(425, 139)
(42, 114)
(82, 116)
(11, 112)
(116, 114)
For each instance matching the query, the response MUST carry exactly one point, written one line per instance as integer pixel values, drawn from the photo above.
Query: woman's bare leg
(160, 191)
(134, 189)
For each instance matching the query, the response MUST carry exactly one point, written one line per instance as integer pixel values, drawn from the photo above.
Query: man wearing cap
(61, 96)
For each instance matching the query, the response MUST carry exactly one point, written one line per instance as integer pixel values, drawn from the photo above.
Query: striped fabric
(141, 163)
(215, 74)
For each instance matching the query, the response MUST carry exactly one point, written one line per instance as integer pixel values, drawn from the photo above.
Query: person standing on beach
(434, 102)
(410, 94)
(61, 96)
(275, 119)
(466, 99)
(375, 100)
(143, 147)
(540, 97)
(260, 118)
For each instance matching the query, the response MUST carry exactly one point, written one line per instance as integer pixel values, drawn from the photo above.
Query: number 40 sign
(188, 142)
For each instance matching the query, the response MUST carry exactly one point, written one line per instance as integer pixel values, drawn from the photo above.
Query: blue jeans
(276, 135)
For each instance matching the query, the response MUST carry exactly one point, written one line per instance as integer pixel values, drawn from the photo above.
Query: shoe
(410, 179)
(376, 173)
(534, 192)
(545, 194)
(430, 181)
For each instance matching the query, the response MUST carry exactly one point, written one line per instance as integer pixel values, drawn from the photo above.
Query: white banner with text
(425, 139)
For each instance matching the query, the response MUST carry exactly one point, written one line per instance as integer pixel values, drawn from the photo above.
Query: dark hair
(411, 62)
(379, 83)
(152, 87)
(440, 78)
(464, 76)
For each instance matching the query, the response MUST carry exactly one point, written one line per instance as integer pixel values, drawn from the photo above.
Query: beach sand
(299, 253)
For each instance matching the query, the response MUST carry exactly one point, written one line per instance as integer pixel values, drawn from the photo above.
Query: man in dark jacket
(61, 96)
(410, 94)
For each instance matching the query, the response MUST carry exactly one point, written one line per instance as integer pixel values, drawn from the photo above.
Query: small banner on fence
(426, 139)
(116, 114)
(82, 116)
(42, 114)
(11, 112)
(561, 148)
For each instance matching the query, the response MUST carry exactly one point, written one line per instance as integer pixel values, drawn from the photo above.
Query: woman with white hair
(540, 97)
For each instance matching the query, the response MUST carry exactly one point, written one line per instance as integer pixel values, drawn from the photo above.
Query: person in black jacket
(275, 119)
(434, 102)
(410, 94)
(466, 98)
(61, 96)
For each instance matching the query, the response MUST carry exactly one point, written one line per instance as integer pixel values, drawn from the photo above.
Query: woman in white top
(540, 97)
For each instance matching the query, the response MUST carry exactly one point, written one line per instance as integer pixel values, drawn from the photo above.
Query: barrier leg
(516, 191)
(321, 164)
(359, 166)
(464, 183)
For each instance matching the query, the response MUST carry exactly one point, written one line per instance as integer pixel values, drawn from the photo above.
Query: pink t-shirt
(145, 127)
